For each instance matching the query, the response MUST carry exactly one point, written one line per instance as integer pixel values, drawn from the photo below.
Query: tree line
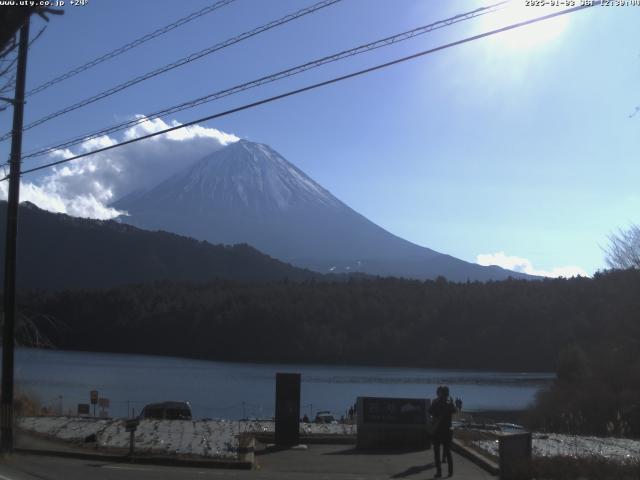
(506, 325)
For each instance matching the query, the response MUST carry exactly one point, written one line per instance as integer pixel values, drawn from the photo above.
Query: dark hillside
(56, 251)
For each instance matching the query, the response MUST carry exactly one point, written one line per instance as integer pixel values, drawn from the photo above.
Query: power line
(276, 76)
(129, 46)
(178, 63)
(318, 85)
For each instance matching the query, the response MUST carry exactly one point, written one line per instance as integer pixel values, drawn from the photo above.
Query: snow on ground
(219, 438)
(63, 428)
(553, 444)
(210, 438)
(215, 438)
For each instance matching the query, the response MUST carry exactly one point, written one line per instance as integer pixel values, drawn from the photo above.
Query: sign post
(93, 396)
(131, 426)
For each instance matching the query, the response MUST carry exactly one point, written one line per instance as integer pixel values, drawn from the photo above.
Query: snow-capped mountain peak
(251, 175)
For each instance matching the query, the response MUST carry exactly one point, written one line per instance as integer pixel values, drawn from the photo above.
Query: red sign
(103, 402)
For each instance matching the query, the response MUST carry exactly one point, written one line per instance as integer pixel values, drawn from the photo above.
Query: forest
(506, 325)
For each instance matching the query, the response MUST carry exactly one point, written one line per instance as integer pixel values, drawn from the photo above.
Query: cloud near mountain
(85, 187)
(524, 265)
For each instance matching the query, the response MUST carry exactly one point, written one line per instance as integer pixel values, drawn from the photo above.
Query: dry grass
(596, 468)
(562, 468)
(26, 405)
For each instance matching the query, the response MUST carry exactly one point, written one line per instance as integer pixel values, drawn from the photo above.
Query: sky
(518, 150)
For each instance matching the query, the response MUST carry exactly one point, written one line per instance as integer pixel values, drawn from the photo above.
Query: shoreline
(517, 416)
(538, 375)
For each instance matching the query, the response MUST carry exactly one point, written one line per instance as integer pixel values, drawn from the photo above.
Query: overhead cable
(129, 46)
(178, 63)
(272, 78)
(316, 85)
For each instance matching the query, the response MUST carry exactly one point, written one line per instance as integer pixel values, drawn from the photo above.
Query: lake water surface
(235, 390)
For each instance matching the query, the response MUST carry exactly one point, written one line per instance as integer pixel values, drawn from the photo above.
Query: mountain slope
(248, 193)
(57, 251)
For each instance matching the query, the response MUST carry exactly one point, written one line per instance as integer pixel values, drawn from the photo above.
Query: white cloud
(85, 187)
(523, 265)
(48, 198)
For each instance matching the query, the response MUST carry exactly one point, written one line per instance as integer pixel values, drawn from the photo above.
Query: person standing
(441, 410)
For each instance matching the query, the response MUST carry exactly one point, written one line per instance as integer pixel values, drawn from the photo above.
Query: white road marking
(2, 477)
(218, 473)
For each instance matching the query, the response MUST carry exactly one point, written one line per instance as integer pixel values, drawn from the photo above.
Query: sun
(528, 36)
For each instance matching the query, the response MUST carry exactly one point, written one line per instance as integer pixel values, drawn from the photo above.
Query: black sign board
(131, 425)
(93, 395)
(392, 423)
(287, 408)
(83, 409)
(397, 411)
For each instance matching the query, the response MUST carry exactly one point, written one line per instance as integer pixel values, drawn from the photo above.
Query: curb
(163, 461)
(480, 460)
(329, 439)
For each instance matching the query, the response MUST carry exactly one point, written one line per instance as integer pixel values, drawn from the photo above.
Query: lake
(62, 379)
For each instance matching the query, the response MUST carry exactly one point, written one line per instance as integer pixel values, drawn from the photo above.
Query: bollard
(246, 447)
(515, 456)
(132, 440)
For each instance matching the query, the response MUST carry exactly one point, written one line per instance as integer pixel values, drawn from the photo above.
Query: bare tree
(11, 20)
(623, 250)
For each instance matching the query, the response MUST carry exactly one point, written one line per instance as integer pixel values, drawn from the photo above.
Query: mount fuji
(248, 193)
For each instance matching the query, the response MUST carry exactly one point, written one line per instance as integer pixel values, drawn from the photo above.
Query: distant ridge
(56, 251)
(248, 193)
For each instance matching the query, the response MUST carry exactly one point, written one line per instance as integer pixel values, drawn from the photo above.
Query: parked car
(325, 417)
(510, 427)
(167, 411)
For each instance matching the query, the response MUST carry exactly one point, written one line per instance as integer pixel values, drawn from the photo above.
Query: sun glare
(529, 36)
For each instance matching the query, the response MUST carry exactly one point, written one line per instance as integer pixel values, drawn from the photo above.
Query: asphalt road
(319, 462)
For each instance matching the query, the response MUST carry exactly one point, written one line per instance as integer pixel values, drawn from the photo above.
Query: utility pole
(8, 332)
